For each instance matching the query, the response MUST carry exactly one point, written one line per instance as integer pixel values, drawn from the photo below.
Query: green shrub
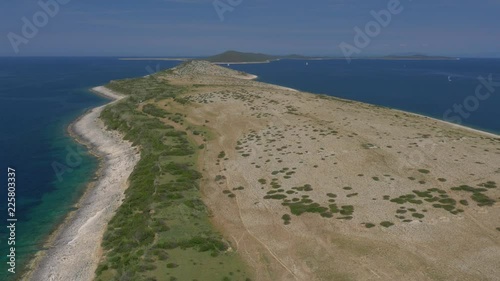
(154, 111)
(275, 196)
(172, 265)
(386, 224)
(489, 184)
(417, 215)
(347, 210)
(482, 200)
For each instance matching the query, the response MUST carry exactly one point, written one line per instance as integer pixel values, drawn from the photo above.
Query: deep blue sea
(40, 97)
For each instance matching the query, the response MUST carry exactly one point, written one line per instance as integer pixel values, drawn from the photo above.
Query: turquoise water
(39, 98)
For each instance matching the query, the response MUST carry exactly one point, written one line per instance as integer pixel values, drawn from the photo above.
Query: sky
(205, 27)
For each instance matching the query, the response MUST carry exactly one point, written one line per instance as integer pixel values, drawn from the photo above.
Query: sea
(40, 97)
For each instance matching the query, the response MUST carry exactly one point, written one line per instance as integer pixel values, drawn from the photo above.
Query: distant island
(415, 57)
(241, 57)
(235, 57)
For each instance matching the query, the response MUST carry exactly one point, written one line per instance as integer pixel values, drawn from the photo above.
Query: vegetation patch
(417, 215)
(286, 219)
(162, 217)
(331, 195)
(275, 196)
(154, 111)
(478, 193)
(305, 187)
(489, 184)
(386, 224)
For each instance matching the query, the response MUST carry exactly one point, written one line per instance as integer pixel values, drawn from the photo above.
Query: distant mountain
(240, 57)
(416, 57)
(234, 56)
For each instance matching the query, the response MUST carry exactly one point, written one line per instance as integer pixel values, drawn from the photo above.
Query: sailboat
(449, 78)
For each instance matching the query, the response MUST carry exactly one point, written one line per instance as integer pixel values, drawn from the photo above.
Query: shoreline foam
(73, 250)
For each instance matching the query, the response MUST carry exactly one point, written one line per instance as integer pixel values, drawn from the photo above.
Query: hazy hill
(239, 57)
(234, 56)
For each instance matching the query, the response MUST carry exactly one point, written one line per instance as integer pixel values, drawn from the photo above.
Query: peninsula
(242, 180)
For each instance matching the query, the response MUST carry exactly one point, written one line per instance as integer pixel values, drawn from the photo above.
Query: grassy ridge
(162, 230)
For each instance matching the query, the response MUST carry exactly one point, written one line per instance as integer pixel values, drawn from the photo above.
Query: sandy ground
(75, 250)
(364, 155)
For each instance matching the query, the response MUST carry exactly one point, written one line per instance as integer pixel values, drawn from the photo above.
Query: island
(236, 57)
(243, 180)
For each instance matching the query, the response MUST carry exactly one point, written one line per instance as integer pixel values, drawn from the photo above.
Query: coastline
(250, 77)
(83, 223)
(159, 59)
(454, 125)
(73, 250)
(243, 62)
(457, 126)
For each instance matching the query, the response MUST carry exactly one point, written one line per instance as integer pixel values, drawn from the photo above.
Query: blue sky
(193, 27)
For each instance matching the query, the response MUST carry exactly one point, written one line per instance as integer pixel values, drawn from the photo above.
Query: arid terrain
(241, 180)
(309, 187)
